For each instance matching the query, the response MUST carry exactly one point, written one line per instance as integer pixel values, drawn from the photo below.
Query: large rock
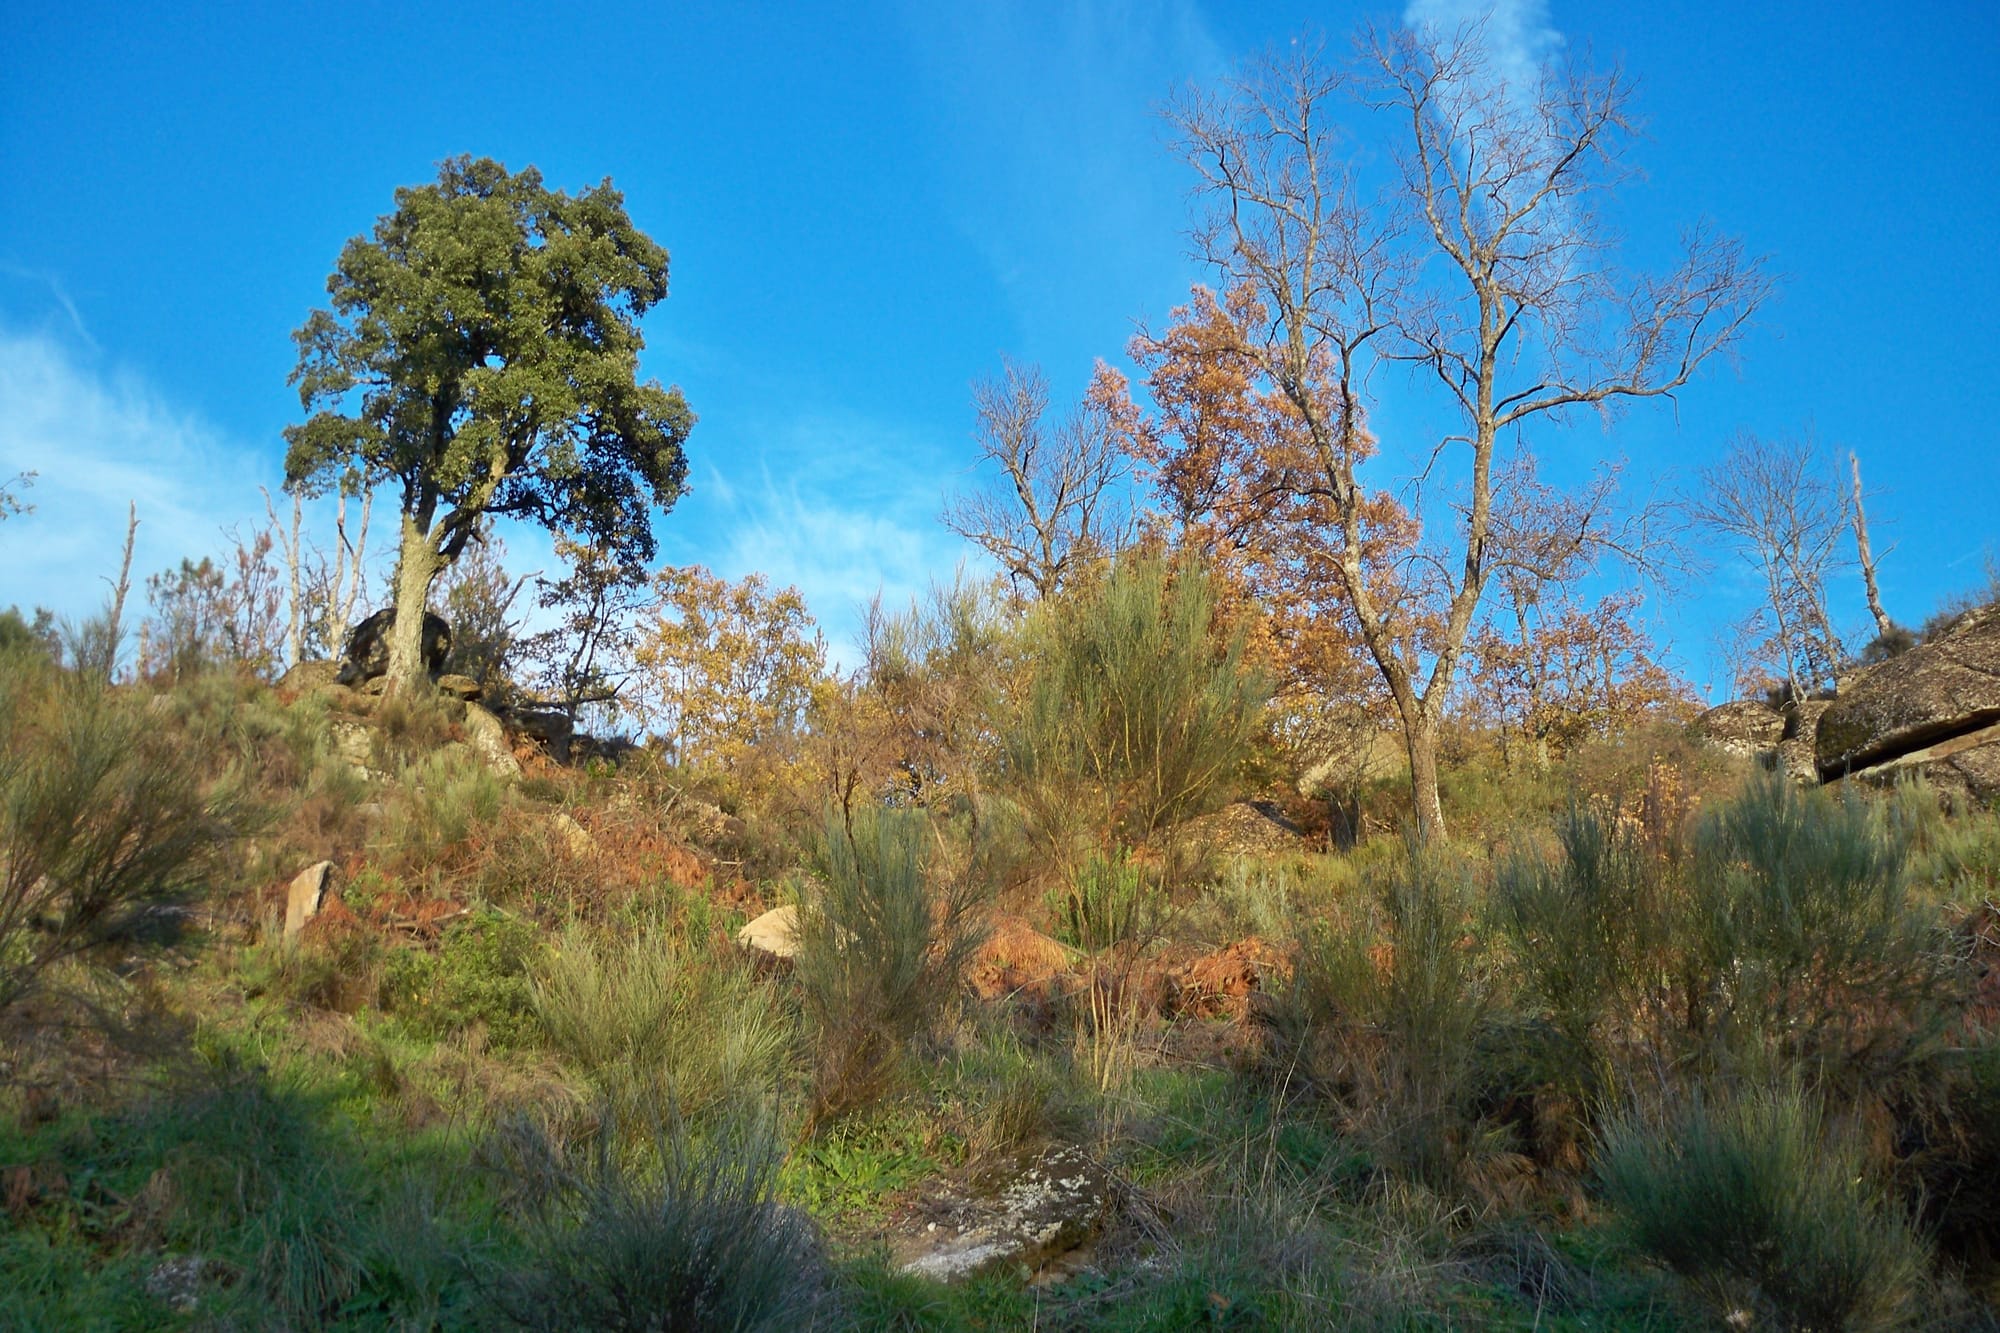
(310, 678)
(1014, 1219)
(1938, 692)
(775, 933)
(1965, 767)
(354, 743)
(460, 687)
(488, 738)
(1796, 757)
(550, 728)
(367, 655)
(1747, 727)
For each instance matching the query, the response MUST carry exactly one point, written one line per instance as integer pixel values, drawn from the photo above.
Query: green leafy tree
(482, 352)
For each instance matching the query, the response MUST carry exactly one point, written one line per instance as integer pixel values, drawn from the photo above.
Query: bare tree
(1060, 504)
(1885, 628)
(1775, 502)
(324, 588)
(1483, 263)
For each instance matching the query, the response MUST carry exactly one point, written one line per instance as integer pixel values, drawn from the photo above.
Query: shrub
(332, 966)
(1135, 715)
(1753, 1190)
(1587, 925)
(651, 1023)
(1392, 996)
(1891, 642)
(1113, 899)
(103, 814)
(1802, 937)
(1954, 1126)
(882, 946)
(688, 1239)
(478, 975)
(254, 1179)
(444, 798)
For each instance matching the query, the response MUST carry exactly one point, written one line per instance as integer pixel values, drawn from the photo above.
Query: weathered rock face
(1795, 752)
(367, 655)
(775, 933)
(549, 728)
(1966, 767)
(1014, 1219)
(459, 687)
(1939, 693)
(305, 896)
(310, 677)
(488, 738)
(1747, 727)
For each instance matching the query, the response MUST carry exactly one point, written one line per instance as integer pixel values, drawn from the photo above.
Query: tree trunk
(1883, 625)
(1420, 741)
(417, 567)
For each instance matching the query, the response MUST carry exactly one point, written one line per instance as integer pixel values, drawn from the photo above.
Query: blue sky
(868, 206)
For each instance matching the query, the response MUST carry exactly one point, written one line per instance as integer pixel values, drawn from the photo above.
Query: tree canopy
(482, 352)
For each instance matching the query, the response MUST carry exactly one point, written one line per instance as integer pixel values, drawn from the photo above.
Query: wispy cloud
(1049, 158)
(100, 440)
(840, 508)
(1517, 35)
(47, 288)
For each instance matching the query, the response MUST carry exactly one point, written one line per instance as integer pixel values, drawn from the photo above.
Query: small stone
(574, 835)
(1046, 1206)
(305, 896)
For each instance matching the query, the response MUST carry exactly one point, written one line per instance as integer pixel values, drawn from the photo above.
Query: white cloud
(1518, 38)
(840, 508)
(99, 442)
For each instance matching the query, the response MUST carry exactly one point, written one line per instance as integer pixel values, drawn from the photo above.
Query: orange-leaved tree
(1482, 264)
(724, 667)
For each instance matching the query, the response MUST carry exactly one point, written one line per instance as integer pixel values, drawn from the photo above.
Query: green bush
(1135, 714)
(685, 1239)
(1754, 1190)
(1802, 937)
(1954, 1123)
(882, 947)
(103, 814)
(1112, 900)
(1389, 1001)
(442, 799)
(479, 975)
(1587, 924)
(652, 1023)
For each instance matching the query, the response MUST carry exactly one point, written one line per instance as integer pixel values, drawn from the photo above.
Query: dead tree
(1885, 628)
(1775, 503)
(1059, 504)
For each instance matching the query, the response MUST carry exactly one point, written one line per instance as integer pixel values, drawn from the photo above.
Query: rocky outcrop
(1933, 710)
(367, 655)
(1014, 1219)
(488, 737)
(460, 687)
(1245, 827)
(1747, 727)
(1795, 755)
(309, 678)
